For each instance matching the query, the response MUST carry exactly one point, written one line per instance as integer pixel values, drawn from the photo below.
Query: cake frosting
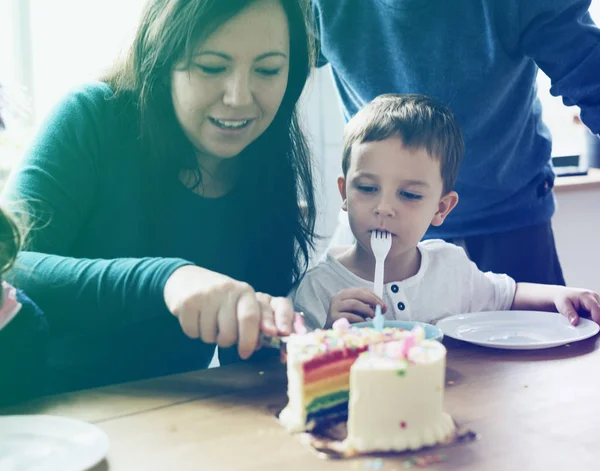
(396, 397)
(387, 383)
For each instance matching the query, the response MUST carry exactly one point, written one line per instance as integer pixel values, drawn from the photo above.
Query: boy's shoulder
(439, 247)
(329, 274)
(444, 262)
(327, 264)
(441, 253)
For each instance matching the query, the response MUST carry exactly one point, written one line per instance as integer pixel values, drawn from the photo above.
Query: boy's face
(393, 188)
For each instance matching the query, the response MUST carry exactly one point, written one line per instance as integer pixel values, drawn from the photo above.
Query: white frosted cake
(396, 397)
(388, 384)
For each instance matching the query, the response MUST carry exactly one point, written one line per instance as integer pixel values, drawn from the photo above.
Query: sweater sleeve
(480, 291)
(58, 181)
(563, 40)
(95, 294)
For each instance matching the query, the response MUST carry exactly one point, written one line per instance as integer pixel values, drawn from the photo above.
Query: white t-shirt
(447, 283)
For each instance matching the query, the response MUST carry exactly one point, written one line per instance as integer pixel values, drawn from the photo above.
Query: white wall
(576, 227)
(74, 41)
(325, 125)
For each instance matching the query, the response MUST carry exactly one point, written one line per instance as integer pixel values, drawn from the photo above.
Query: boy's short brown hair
(419, 121)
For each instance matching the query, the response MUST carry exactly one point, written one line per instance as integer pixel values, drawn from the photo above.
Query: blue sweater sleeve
(95, 294)
(80, 277)
(565, 43)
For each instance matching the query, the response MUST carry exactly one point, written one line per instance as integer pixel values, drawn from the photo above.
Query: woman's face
(236, 82)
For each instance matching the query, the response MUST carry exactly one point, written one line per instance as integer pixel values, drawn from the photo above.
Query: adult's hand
(219, 309)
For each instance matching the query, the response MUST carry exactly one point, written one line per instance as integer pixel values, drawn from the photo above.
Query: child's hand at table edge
(570, 302)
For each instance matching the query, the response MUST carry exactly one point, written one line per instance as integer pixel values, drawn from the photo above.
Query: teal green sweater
(100, 252)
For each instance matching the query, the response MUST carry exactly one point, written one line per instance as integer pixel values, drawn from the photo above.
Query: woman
(165, 199)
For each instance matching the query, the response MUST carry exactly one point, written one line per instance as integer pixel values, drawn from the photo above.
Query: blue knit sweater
(481, 57)
(100, 251)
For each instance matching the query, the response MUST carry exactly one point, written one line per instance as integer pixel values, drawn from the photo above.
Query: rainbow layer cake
(318, 370)
(387, 384)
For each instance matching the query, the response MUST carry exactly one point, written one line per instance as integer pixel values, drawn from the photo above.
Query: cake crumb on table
(374, 464)
(424, 461)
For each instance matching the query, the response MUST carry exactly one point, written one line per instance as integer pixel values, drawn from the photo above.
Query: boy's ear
(341, 181)
(446, 204)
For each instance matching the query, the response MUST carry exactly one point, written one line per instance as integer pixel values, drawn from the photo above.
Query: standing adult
(481, 58)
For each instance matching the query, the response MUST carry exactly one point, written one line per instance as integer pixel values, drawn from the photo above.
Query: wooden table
(533, 410)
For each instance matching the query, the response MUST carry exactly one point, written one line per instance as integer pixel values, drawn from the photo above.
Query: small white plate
(49, 443)
(516, 330)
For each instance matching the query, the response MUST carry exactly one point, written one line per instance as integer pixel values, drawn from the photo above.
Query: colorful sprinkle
(424, 461)
(342, 324)
(299, 327)
(323, 342)
(401, 372)
(403, 424)
(450, 383)
(408, 343)
(261, 373)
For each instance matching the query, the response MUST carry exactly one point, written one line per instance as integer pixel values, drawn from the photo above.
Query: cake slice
(318, 370)
(388, 385)
(396, 397)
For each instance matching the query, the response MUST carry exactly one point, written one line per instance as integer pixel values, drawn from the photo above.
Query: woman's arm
(57, 187)
(95, 294)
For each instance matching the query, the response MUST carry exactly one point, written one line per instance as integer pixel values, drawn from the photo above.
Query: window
(46, 48)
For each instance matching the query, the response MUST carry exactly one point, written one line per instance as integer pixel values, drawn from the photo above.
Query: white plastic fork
(381, 242)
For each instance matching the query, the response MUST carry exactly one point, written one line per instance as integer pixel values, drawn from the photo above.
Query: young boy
(400, 161)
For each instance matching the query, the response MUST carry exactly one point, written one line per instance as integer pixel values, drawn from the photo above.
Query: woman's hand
(354, 304)
(221, 310)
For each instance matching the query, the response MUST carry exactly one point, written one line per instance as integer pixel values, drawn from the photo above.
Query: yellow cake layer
(324, 388)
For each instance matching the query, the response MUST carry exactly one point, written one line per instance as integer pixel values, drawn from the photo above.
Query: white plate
(49, 443)
(516, 330)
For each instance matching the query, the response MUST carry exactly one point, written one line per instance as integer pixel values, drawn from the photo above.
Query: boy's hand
(355, 304)
(571, 301)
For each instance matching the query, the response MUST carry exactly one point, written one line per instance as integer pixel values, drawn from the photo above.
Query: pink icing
(299, 326)
(409, 342)
(341, 324)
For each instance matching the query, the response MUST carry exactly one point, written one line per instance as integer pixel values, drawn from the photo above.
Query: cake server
(279, 341)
